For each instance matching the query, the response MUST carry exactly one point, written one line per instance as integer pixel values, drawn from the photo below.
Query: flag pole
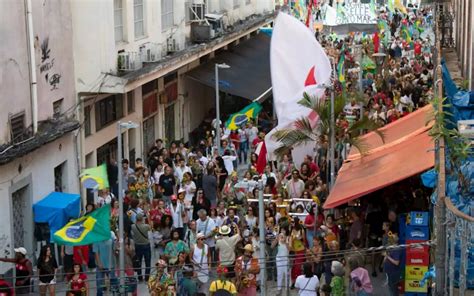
(332, 143)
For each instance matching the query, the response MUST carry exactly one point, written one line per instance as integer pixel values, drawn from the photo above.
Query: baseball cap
(21, 250)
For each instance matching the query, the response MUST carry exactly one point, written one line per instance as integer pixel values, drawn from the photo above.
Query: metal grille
(17, 127)
(18, 206)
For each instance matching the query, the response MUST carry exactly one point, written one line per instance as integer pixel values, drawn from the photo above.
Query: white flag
(298, 64)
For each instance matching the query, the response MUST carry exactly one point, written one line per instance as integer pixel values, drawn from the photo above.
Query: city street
(269, 147)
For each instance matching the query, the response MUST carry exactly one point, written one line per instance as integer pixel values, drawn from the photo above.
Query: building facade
(131, 57)
(463, 11)
(38, 128)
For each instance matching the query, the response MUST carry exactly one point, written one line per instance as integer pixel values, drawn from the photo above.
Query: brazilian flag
(237, 119)
(340, 66)
(86, 230)
(95, 178)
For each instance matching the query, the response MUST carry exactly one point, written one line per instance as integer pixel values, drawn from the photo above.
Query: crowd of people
(194, 210)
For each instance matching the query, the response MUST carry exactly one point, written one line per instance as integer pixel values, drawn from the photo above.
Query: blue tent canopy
(56, 209)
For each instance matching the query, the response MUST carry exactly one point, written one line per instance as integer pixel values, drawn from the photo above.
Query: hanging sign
(355, 13)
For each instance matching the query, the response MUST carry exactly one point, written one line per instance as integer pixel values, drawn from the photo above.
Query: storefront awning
(57, 208)
(407, 151)
(249, 73)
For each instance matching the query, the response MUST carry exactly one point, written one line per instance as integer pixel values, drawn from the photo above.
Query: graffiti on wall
(47, 65)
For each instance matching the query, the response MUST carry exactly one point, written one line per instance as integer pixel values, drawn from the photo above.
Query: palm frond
(291, 137)
(359, 144)
(307, 101)
(366, 124)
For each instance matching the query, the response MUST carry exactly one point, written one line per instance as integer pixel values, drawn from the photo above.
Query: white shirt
(204, 161)
(201, 227)
(295, 188)
(252, 133)
(179, 172)
(265, 177)
(229, 166)
(310, 285)
(176, 215)
(200, 259)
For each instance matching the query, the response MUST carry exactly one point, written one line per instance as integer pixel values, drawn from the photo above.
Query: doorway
(20, 204)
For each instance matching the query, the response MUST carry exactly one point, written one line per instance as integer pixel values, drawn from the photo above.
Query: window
(87, 120)
(138, 18)
(236, 3)
(108, 110)
(130, 102)
(60, 177)
(17, 127)
(58, 108)
(194, 11)
(118, 20)
(167, 20)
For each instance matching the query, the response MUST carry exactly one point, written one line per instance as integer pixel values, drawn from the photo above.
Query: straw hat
(224, 230)
(248, 248)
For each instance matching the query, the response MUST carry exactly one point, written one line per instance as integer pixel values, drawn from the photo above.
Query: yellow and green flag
(340, 67)
(95, 178)
(86, 230)
(399, 5)
(406, 34)
(238, 119)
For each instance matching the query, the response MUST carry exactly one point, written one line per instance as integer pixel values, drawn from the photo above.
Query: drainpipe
(32, 60)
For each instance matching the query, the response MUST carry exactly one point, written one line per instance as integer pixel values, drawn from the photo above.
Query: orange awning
(408, 150)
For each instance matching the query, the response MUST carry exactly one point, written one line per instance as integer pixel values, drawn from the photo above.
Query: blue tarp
(462, 102)
(462, 107)
(429, 178)
(56, 209)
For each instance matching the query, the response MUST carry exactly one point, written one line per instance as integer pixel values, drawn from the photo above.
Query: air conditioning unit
(149, 53)
(171, 45)
(128, 61)
(217, 24)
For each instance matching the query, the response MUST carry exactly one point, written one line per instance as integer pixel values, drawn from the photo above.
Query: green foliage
(303, 132)
(458, 146)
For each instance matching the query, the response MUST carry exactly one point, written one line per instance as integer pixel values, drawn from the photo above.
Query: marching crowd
(194, 210)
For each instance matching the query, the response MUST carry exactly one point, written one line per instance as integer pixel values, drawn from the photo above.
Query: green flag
(86, 230)
(95, 178)
(241, 117)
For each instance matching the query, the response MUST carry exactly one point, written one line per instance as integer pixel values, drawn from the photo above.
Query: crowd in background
(191, 213)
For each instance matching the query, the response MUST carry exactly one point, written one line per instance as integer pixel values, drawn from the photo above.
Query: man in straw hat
(226, 247)
(246, 269)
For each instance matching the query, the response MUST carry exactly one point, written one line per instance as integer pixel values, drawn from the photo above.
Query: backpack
(222, 291)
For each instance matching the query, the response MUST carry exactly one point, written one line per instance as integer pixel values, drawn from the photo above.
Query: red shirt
(80, 283)
(256, 141)
(235, 138)
(417, 49)
(79, 253)
(313, 167)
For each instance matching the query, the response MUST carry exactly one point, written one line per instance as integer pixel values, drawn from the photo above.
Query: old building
(463, 31)
(131, 57)
(38, 131)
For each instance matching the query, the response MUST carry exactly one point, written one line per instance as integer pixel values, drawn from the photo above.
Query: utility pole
(440, 207)
(261, 226)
